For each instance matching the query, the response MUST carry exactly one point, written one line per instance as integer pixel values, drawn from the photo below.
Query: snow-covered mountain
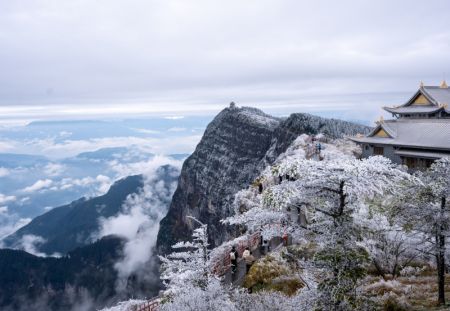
(237, 145)
(235, 149)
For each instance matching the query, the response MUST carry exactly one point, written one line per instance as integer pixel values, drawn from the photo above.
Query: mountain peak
(253, 116)
(235, 147)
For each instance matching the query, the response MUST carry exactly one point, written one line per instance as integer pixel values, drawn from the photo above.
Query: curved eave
(411, 110)
(395, 142)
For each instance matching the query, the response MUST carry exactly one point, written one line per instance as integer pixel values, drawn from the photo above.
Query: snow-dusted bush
(412, 271)
(214, 296)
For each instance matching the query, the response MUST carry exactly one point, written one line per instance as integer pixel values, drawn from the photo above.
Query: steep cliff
(225, 160)
(236, 146)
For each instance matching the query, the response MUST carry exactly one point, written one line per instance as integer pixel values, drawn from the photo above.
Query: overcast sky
(84, 58)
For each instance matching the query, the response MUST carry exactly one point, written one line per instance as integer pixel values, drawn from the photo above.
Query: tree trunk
(379, 269)
(342, 197)
(440, 259)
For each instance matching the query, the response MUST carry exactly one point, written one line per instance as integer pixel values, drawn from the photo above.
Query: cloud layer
(110, 58)
(138, 223)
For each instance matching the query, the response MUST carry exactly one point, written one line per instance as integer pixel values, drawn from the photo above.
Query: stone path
(237, 278)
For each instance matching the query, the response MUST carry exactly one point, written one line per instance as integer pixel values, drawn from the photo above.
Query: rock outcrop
(236, 147)
(226, 159)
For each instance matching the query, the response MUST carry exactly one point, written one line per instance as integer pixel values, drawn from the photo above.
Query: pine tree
(189, 265)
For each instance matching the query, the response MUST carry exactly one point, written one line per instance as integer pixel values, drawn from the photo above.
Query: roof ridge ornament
(380, 121)
(443, 85)
(421, 85)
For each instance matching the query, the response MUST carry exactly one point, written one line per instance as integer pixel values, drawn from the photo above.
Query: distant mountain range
(237, 145)
(85, 277)
(66, 227)
(87, 174)
(12, 160)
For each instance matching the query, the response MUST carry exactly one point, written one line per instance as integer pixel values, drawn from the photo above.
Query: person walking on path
(233, 259)
(285, 239)
(249, 259)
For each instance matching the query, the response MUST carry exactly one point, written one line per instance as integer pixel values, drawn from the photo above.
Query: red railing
(150, 305)
(223, 264)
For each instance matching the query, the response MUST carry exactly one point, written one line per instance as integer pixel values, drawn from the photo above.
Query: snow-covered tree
(424, 209)
(190, 284)
(336, 191)
(333, 196)
(391, 249)
(212, 296)
(189, 265)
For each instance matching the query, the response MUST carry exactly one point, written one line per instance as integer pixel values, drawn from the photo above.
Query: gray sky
(109, 58)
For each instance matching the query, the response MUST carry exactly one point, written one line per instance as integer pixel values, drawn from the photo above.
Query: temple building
(419, 132)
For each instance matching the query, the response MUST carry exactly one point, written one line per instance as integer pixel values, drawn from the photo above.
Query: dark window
(366, 147)
(410, 162)
(378, 150)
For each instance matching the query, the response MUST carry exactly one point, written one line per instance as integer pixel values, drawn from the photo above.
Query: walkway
(222, 267)
(237, 279)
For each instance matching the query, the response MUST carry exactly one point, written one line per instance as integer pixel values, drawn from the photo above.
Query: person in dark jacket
(233, 258)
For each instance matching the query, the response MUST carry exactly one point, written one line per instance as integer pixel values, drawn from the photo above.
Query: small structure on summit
(419, 132)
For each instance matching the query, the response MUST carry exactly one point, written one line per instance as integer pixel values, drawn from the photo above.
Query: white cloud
(265, 53)
(174, 117)
(67, 183)
(177, 129)
(6, 146)
(66, 186)
(73, 147)
(138, 223)
(54, 169)
(4, 172)
(30, 244)
(3, 210)
(10, 224)
(146, 167)
(98, 185)
(104, 183)
(65, 134)
(145, 131)
(39, 185)
(6, 198)
(24, 200)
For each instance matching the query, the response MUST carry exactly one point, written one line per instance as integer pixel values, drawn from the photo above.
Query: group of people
(247, 256)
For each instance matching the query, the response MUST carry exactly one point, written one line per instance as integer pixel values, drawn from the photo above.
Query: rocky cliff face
(225, 160)
(236, 146)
